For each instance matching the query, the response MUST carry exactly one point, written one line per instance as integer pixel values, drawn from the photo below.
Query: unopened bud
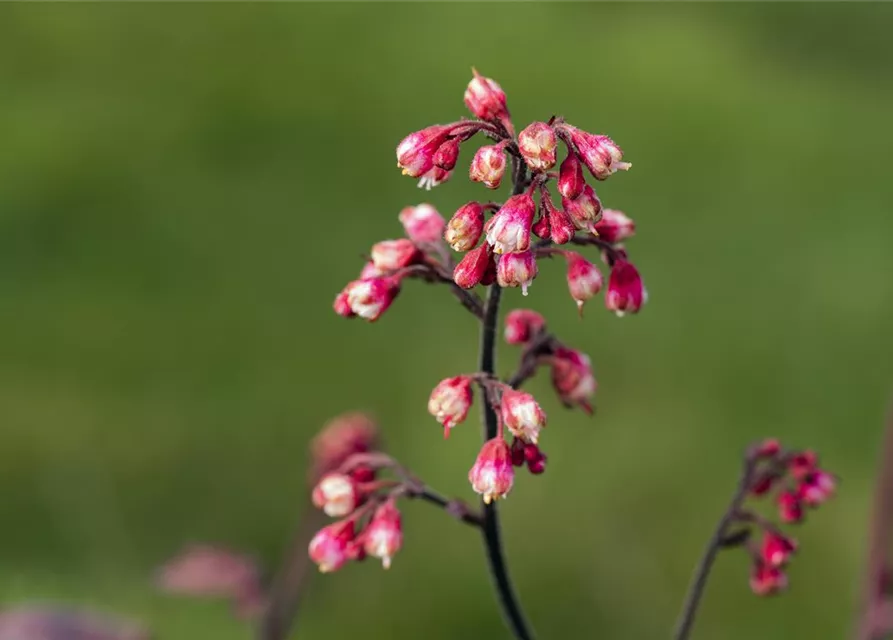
(521, 325)
(537, 143)
(584, 210)
(370, 298)
(486, 100)
(465, 227)
(446, 155)
(570, 177)
(383, 537)
(583, 279)
(450, 401)
(422, 223)
(473, 268)
(599, 153)
(522, 414)
(336, 494)
(329, 547)
(615, 226)
(415, 153)
(492, 475)
(488, 166)
(516, 270)
(391, 255)
(509, 228)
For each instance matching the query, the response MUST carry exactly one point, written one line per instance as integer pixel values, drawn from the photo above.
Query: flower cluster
(349, 486)
(500, 248)
(492, 474)
(798, 483)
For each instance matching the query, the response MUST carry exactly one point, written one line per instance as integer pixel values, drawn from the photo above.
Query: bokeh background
(183, 189)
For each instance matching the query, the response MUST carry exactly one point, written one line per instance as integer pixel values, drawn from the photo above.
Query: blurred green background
(183, 190)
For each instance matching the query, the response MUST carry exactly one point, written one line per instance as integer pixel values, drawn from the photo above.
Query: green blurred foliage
(185, 188)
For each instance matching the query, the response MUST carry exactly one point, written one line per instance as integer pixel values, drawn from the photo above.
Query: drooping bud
(433, 177)
(537, 143)
(522, 415)
(572, 378)
(521, 325)
(465, 227)
(516, 270)
(446, 155)
(583, 279)
(492, 474)
(422, 223)
(391, 255)
(370, 298)
(599, 153)
(490, 274)
(561, 228)
(776, 549)
(383, 537)
(766, 580)
(817, 487)
(509, 228)
(802, 463)
(541, 228)
(762, 483)
(570, 177)
(342, 304)
(626, 293)
(486, 100)
(336, 494)
(790, 507)
(329, 547)
(488, 166)
(535, 458)
(517, 451)
(415, 153)
(473, 268)
(615, 226)
(450, 401)
(584, 210)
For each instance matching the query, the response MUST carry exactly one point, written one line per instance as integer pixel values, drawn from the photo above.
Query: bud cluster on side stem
(797, 482)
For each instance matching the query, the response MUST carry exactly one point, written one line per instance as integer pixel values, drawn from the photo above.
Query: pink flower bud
(516, 270)
(329, 547)
(340, 438)
(570, 177)
(342, 304)
(492, 474)
(766, 580)
(336, 494)
(384, 535)
(572, 377)
(433, 177)
(450, 401)
(561, 228)
(522, 415)
(391, 255)
(521, 325)
(517, 452)
(583, 279)
(370, 298)
(599, 153)
(803, 463)
(817, 487)
(541, 228)
(473, 268)
(535, 458)
(584, 210)
(465, 227)
(415, 153)
(537, 143)
(488, 166)
(423, 224)
(776, 549)
(615, 226)
(486, 100)
(446, 155)
(790, 508)
(509, 228)
(763, 483)
(626, 293)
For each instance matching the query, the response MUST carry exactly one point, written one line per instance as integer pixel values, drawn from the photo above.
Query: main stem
(702, 572)
(511, 608)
